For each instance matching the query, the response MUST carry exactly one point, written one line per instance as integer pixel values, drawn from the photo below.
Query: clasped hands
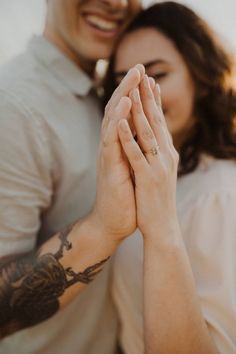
(136, 180)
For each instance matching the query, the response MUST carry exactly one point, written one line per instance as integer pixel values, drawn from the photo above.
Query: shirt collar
(77, 81)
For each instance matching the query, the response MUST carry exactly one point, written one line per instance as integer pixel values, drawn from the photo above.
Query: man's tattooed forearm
(31, 284)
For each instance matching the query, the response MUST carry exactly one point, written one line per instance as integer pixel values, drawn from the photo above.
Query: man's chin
(101, 54)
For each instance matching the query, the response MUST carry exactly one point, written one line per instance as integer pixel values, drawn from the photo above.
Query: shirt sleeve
(209, 231)
(25, 182)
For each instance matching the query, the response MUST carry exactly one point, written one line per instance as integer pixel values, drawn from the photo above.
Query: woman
(189, 251)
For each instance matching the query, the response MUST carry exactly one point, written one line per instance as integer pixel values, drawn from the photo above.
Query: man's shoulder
(19, 70)
(42, 85)
(25, 81)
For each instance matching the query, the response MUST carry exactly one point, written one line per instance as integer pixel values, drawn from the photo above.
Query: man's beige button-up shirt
(49, 133)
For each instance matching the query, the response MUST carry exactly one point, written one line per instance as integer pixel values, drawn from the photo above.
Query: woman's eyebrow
(147, 65)
(154, 62)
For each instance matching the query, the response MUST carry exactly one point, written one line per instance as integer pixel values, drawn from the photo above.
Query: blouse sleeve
(209, 231)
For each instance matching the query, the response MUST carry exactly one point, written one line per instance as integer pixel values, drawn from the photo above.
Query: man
(49, 134)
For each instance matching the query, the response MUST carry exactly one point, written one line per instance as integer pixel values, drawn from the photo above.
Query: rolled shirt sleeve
(25, 180)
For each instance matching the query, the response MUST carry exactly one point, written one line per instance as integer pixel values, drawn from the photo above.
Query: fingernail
(140, 68)
(152, 83)
(123, 125)
(158, 88)
(146, 82)
(129, 71)
(147, 86)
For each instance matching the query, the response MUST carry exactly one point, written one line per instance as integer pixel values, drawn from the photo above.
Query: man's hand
(114, 211)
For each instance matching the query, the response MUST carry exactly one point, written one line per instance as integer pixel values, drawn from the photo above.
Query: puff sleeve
(209, 231)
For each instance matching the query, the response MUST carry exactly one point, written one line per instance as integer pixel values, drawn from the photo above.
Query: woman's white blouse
(206, 204)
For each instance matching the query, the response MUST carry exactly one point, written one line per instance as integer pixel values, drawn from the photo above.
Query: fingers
(132, 150)
(157, 97)
(146, 137)
(122, 110)
(117, 108)
(130, 81)
(172, 151)
(157, 94)
(112, 151)
(152, 83)
(153, 112)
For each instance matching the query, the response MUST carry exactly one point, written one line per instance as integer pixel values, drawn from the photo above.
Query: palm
(125, 190)
(115, 197)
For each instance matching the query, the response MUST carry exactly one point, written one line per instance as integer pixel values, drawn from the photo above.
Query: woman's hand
(114, 211)
(153, 159)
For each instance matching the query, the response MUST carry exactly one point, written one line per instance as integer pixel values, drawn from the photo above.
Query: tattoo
(31, 284)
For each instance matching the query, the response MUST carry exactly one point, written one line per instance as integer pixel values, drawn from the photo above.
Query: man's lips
(103, 24)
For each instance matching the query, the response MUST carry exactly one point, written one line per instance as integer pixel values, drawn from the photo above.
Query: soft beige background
(20, 18)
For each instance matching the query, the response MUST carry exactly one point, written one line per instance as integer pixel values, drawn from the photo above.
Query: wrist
(95, 227)
(162, 231)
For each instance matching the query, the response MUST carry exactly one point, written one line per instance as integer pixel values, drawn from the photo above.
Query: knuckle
(105, 142)
(153, 181)
(165, 172)
(172, 161)
(147, 134)
(158, 118)
(136, 156)
(138, 107)
(127, 138)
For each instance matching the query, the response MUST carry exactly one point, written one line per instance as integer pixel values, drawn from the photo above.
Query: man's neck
(87, 66)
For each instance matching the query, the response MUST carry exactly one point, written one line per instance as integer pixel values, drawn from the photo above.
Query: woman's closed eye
(159, 76)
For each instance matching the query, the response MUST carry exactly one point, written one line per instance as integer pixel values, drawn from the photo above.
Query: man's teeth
(101, 24)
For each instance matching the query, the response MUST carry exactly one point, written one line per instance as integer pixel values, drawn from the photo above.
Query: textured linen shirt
(49, 133)
(206, 205)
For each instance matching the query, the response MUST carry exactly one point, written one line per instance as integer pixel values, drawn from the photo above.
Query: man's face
(88, 29)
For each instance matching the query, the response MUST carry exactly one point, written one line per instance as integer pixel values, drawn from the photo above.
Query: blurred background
(19, 19)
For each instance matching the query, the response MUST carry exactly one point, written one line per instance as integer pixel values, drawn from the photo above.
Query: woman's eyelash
(159, 76)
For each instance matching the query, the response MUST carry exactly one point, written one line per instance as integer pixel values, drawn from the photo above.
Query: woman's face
(165, 64)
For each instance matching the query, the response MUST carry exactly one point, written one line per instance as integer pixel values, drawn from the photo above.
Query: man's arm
(34, 286)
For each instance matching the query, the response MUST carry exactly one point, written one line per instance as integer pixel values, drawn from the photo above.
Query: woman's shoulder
(211, 177)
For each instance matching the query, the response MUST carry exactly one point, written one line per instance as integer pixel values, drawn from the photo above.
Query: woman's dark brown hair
(211, 69)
